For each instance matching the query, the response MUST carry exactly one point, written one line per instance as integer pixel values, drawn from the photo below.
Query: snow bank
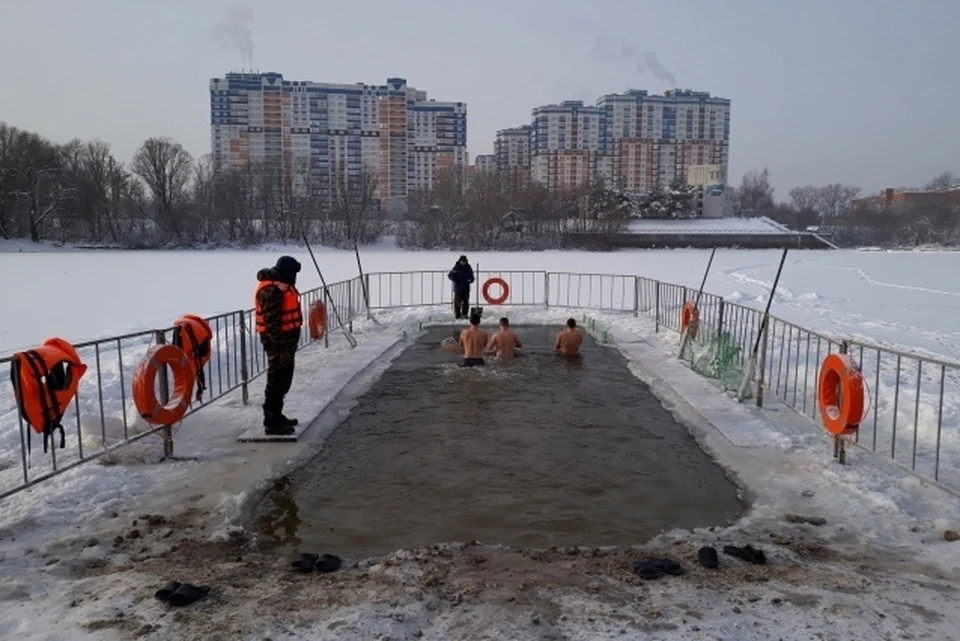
(760, 225)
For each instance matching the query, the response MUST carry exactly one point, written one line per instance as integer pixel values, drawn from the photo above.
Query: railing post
(163, 389)
(366, 282)
(636, 296)
(326, 332)
(350, 306)
(244, 373)
(720, 319)
(763, 364)
(546, 289)
(656, 308)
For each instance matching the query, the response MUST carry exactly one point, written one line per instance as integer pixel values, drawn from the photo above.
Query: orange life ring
(690, 315)
(841, 394)
(45, 380)
(193, 335)
(145, 379)
(317, 320)
(505, 294)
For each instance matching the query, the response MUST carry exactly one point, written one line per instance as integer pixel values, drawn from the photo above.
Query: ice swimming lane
(532, 452)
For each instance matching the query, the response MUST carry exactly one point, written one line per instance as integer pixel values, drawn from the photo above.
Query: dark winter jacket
(271, 302)
(462, 277)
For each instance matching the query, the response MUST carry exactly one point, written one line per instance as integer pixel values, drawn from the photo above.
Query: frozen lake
(910, 299)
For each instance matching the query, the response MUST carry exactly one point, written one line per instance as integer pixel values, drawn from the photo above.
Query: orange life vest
(45, 380)
(292, 317)
(192, 334)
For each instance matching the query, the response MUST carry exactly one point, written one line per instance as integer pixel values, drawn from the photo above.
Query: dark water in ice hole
(533, 452)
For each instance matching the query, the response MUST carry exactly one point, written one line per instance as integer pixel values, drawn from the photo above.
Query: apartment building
(566, 144)
(511, 150)
(319, 134)
(635, 139)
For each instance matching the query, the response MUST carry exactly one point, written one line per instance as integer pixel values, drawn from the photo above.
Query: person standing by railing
(462, 277)
(279, 319)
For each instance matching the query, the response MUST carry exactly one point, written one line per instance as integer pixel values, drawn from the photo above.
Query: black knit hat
(288, 266)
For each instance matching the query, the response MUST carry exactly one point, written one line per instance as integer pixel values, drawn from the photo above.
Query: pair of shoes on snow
(317, 563)
(746, 553)
(180, 594)
(655, 568)
(707, 556)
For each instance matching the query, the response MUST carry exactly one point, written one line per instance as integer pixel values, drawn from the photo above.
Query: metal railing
(908, 419)
(906, 414)
(102, 417)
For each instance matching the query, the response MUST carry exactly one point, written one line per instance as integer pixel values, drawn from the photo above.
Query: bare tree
(755, 195)
(834, 200)
(806, 197)
(943, 181)
(166, 168)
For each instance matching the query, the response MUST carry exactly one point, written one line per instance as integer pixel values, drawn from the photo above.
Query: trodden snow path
(81, 555)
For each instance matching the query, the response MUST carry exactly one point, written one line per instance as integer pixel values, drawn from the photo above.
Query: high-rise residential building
(511, 149)
(320, 134)
(633, 139)
(654, 139)
(486, 163)
(566, 144)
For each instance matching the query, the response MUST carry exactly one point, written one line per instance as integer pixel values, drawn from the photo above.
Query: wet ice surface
(533, 452)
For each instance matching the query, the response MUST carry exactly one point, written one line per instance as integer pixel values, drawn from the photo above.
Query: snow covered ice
(81, 554)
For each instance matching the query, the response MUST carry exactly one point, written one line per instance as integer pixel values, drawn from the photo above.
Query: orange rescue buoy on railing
(45, 380)
(690, 317)
(504, 291)
(841, 395)
(317, 320)
(145, 381)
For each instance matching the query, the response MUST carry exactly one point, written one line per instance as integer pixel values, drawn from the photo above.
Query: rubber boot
(289, 422)
(274, 423)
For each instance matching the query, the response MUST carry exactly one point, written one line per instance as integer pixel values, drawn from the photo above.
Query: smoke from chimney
(235, 32)
(644, 61)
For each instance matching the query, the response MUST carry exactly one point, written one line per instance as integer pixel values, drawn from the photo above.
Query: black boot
(289, 422)
(274, 423)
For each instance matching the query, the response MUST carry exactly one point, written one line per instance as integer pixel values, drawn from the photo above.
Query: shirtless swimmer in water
(473, 340)
(504, 342)
(451, 344)
(569, 340)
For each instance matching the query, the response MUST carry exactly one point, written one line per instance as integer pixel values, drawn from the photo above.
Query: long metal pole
(363, 285)
(326, 293)
(748, 374)
(685, 338)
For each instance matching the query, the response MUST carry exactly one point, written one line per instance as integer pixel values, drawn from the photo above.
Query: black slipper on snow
(306, 563)
(185, 594)
(648, 569)
(328, 563)
(746, 553)
(669, 566)
(707, 556)
(167, 591)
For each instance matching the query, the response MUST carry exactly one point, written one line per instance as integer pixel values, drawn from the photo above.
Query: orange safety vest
(45, 381)
(292, 317)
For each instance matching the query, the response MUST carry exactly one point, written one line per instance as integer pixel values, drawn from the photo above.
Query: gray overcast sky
(855, 91)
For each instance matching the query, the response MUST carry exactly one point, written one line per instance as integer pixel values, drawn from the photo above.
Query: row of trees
(829, 208)
(79, 192)
(501, 210)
